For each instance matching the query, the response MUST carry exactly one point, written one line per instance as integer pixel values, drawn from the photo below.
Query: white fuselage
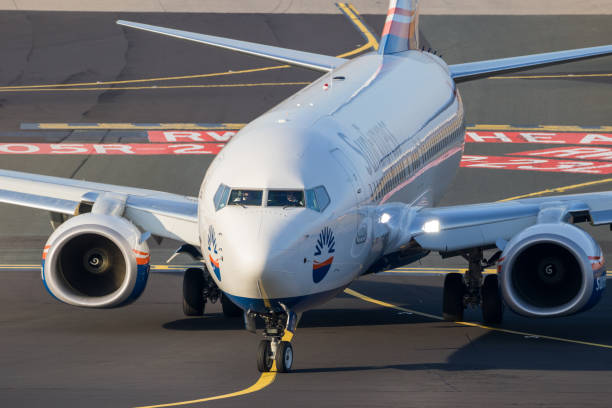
(378, 129)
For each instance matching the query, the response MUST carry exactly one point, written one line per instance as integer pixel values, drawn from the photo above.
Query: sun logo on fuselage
(325, 247)
(213, 255)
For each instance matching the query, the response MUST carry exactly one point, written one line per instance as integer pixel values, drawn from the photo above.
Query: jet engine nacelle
(97, 261)
(551, 270)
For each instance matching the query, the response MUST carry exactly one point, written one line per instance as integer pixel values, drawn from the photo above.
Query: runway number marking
(582, 138)
(180, 136)
(576, 152)
(110, 149)
(534, 164)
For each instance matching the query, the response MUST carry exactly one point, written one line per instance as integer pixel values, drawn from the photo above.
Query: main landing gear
(461, 291)
(275, 349)
(199, 288)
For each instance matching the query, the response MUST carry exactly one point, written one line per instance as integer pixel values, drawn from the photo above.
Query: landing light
(385, 218)
(431, 226)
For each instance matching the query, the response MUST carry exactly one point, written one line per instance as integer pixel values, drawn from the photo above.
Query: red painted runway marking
(575, 152)
(180, 136)
(539, 137)
(110, 149)
(536, 164)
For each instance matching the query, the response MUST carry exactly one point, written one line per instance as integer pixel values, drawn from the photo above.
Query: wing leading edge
(455, 228)
(482, 69)
(303, 59)
(162, 214)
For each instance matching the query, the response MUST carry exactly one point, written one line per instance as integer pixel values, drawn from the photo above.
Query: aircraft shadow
(323, 317)
(487, 351)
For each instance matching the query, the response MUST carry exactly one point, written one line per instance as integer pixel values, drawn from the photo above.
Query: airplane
(337, 181)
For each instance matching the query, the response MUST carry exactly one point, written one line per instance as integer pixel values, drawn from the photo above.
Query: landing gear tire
(193, 292)
(452, 299)
(492, 307)
(264, 356)
(284, 357)
(229, 308)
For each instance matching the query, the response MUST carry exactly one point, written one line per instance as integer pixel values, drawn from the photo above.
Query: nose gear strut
(276, 347)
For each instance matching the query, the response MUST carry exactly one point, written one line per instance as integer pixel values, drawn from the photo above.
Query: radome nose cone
(261, 253)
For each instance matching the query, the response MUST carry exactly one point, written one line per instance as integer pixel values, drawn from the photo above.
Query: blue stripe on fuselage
(295, 304)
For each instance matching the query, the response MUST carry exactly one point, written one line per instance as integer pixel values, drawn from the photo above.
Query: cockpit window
(245, 197)
(317, 199)
(220, 198)
(285, 198)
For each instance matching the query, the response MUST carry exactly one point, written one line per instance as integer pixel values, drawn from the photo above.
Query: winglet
(401, 31)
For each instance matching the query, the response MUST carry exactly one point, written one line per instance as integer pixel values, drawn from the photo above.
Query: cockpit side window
(285, 198)
(317, 199)
(220, 198)
(245, 197)
(322, 197)
(311, 200)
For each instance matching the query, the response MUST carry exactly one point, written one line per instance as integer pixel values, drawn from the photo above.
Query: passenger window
(285, 198)
(245, 197)
(220, 198)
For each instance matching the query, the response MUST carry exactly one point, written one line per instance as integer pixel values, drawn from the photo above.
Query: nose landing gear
(272, 352)
(275, 352)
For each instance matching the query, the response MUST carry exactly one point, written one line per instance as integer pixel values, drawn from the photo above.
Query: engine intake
(552, 270)
(546, 275)
(95, 260)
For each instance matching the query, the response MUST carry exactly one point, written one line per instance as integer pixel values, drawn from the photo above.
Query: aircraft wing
(309, 60)
(457, 228)
(162, 214)
(482, 69)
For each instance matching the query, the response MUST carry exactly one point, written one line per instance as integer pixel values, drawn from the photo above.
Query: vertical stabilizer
(401, 32)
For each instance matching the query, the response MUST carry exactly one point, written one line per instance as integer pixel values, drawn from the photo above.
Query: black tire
(193, 292)
(229, 308)
(284, 357)
(264, 356)
(492, 306)
(452, 299)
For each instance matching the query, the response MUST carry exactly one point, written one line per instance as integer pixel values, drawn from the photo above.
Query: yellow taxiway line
(559, 189)
(470, 324)
(444, 271)
(135, 81)
(267, 379)
(346, 8)
(236, 126)
(136, 126)
(552, 76)
(542, 128)
(155, 87)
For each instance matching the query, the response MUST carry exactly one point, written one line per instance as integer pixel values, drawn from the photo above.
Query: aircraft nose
(248, 257)
(245, 256)
(258, 257)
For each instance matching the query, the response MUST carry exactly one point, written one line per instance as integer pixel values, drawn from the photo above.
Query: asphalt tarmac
(348, 352)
